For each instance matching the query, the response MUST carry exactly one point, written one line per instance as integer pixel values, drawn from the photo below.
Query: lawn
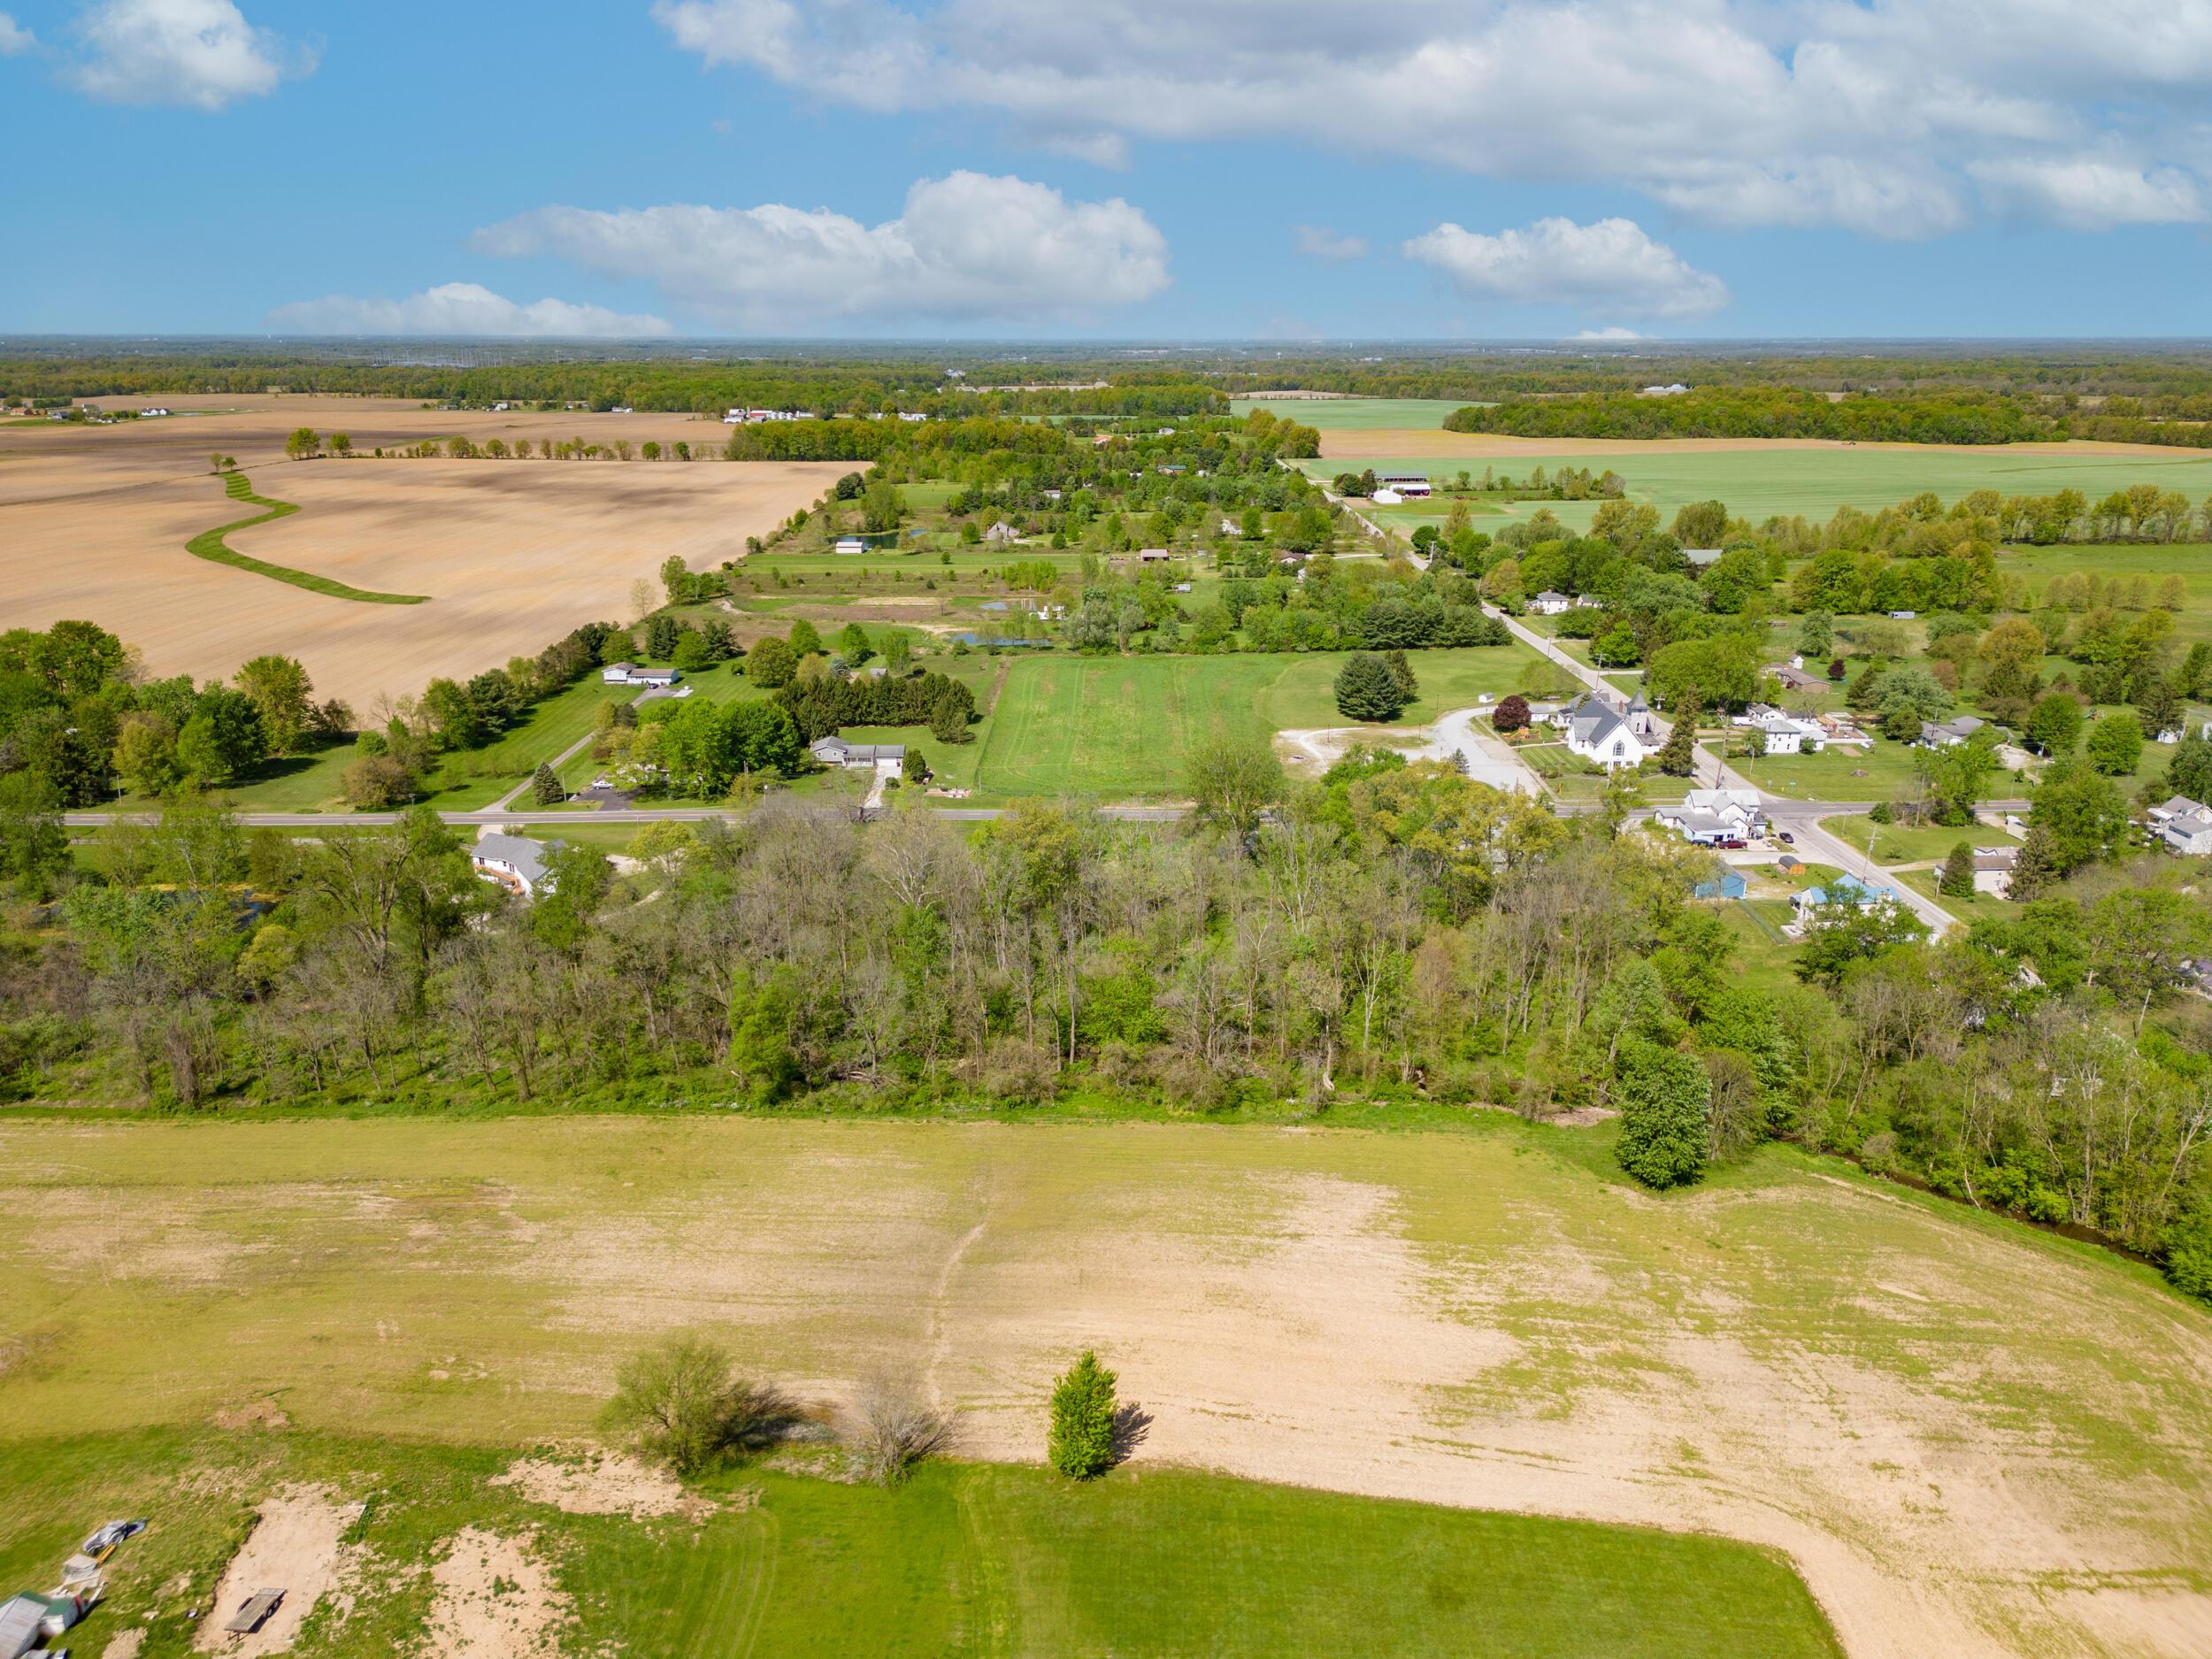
(1975, 906)
(971, 1559)
(2192, 562)
(1529, 1333)
(1897, 844)
(1836, 773)
(1116, 726)
(1757, 484)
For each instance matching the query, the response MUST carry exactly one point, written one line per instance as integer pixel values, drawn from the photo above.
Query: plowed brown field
(513, 554)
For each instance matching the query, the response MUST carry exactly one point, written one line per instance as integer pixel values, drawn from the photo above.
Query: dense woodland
(1945, 416)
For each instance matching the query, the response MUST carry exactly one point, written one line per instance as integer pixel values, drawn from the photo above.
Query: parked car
(1785, 838)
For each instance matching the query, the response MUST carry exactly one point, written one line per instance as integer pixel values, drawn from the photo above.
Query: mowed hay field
(1758, 478)
(513, 554)
(1973, 1439)
(1124, 726)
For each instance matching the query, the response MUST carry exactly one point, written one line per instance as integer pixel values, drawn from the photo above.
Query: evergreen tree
(1367, 690)
(546, 787)
(1402, 675)
(2035, 870)
(1957, 880)
(1677, 758)
(1081, 1441)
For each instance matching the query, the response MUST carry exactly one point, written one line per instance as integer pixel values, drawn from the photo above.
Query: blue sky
(1218, 169)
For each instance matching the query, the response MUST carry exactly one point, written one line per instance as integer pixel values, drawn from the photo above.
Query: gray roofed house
(515, 862)
(2173, 807)
(2189, 834)
(1597, 733)
(1549, 603)
(833, 750)
(1948, 733)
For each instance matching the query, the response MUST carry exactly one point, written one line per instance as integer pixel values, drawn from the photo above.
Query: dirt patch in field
(294, 1547)
(495, 1600)
(260, 1415)
(604, 1483)
(1389, 442)
(125, 1644)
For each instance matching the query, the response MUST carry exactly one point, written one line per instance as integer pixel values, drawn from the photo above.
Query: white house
(2188, 833)
(1993, 869)
(637, 674)
(1786, 734)
(1948, 733)
(2174, 807)
(850, 544)
(1385, 496)
(1601, 735)
(152, 414)
(513, 862)
(1709, 817)
(1549, 603)
(832, 750)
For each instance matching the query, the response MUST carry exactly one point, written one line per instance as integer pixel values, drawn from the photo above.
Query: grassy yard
(1896, 844)
(1835, 774)
(1113, 726)
(971, 1559)
(1973, 908)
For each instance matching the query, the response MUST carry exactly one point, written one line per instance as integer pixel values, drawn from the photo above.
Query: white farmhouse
(1600, 735)
(1549, 603)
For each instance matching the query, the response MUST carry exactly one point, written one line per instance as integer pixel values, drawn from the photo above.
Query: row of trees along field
(1769, 411)
(1394, 932)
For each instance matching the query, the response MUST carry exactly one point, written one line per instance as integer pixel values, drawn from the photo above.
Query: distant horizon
(1057, 344)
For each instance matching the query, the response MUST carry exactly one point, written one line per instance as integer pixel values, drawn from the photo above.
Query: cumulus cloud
(1612, 332)
(1610, 265)
(14, 37)
(199, 53)
(2086, 194)
(1884, 118)
(1318, 242)
(462, 309)
(967, 247)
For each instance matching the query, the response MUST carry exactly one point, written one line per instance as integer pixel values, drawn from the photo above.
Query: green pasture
(210, 545)
(967, 1559)
(1111, 727)
(1355, 414)
(1757, 484)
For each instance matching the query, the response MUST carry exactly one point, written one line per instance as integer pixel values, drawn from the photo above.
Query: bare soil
(295, 1548)
(495, 1600)
(603, 1483)
(512, 554)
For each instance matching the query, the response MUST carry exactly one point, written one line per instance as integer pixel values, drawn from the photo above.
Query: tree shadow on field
(1132, 1424)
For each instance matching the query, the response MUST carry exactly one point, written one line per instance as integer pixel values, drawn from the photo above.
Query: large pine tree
(1367, 690)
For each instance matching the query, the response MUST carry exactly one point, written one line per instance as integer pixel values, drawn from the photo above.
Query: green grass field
(210, 545)
(1355, 414)
(1113, 726)
(1531, 1334)
(1835, 774)
(1815, 482)
(1896, 844)
(970, 1559)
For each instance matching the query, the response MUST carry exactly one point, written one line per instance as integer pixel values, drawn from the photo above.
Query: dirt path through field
(295, 1548)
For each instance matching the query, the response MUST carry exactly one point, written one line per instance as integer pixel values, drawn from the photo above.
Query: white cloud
(2086, 194)
(1609, 265)
(462, 309)
(1318, 242)
(1613, 331)
(966, 247)
(199, 53)
(1881, 117)
(14, 37)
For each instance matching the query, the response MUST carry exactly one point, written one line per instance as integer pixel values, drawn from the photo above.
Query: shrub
(680, 1402)
(1664, 1097)
(1080, 1442)
(893, 1429)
